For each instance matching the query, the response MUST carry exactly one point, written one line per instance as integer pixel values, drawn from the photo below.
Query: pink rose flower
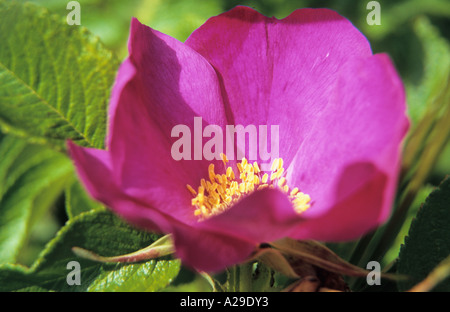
(340, 111)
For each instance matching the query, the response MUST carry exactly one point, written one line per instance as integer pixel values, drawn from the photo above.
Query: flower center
(224, 190)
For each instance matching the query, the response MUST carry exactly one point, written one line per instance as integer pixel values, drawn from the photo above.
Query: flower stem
(245, 277)
(240, 278)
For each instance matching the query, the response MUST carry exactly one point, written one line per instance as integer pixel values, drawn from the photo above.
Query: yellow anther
(193, 192)
(256, 167)
(273, 176)
(244, 161)
(211, 200)
(265, 178)
(281, 181)
(294, 191)
(211, 173)
(277, 174)
(274, 164)
(280, 172)
(224, 158)
(280, 163)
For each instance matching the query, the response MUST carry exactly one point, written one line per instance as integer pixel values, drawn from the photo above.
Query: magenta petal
(230, 237)
(363, 128)
(210, 251)
(262, 216)
(279, 72)
(162, 84)
(165, 90)
(93, 167)
(356, 211)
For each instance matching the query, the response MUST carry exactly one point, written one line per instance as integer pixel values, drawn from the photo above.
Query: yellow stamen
(230, 173)
(224, 158)
(256, 167)
(223, 190)
(193, 192)
(265, 178)
(280, 163)
(211, 173)
(294, 191)
(274, 165)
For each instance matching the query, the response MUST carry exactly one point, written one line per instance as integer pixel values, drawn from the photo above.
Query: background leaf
(423, 97)
(78, 201)
(55, 79)
(105, 234)
(428, 241)
(110, 19)
(31, 179)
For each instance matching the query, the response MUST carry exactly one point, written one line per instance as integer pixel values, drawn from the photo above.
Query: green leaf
(55, 79)
(396, 14)
(177, 18)
(423, 98)
(105, 234)
(78, 201)
(31, 179)
(428, 240)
